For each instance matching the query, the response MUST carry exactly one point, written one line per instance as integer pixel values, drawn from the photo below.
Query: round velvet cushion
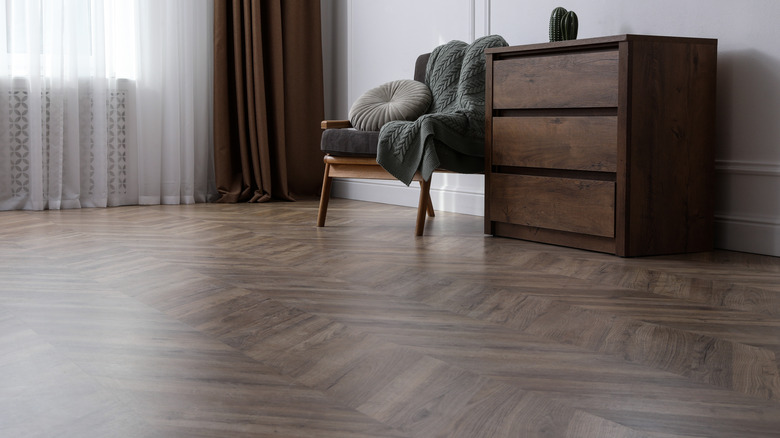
(397, 100)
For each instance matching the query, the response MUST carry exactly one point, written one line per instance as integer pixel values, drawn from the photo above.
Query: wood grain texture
(574, 143)
(218, 320)
(555, 237)
(585, 80)
(563, 204)
(672, 147)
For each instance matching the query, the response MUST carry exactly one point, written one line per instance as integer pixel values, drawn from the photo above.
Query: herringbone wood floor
(246, 320)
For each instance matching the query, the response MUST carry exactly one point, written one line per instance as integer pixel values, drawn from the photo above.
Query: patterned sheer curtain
(105, 102)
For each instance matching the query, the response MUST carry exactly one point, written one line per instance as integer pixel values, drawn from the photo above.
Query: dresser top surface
(613, 40)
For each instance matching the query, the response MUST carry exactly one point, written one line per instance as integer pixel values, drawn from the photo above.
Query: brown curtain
(268, 99)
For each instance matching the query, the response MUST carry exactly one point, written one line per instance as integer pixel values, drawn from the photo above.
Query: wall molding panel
(482, 17)
(755, 168)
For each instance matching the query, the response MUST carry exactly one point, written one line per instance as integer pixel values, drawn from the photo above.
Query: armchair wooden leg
(325, 197)
(424, 204)
(431, 213)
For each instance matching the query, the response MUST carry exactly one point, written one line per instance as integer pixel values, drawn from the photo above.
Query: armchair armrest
(335, 124)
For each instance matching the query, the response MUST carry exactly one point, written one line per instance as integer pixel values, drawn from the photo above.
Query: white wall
(382, 38)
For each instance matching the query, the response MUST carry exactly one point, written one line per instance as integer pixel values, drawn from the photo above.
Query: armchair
(448, 137)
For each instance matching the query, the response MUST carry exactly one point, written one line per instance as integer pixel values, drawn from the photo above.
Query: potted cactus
(563, 25)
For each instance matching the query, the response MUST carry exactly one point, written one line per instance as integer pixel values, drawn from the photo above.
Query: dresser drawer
(564, 204)
(574, 143)
(575, 80)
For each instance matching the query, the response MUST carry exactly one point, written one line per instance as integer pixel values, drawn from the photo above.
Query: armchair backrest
(420, 67)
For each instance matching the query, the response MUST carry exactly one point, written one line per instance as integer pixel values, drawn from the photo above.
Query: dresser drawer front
(564, 204)
(574, 143)
(578, 80)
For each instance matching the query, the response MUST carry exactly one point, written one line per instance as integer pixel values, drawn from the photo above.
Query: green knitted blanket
(451, 135)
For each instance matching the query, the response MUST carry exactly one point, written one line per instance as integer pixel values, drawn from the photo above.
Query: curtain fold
(268, 99)
(174, 91)
(105, 102)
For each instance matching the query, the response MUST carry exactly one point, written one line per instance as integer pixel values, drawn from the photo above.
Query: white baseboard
(453, 193)
(748, 234)
(748, 216)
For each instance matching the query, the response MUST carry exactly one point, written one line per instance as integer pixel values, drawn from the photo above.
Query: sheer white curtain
(105, 102)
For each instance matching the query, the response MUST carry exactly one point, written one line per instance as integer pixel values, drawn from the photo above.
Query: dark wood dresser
(605, 144)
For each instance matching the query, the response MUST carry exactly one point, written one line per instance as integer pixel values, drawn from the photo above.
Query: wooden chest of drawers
(605, 144)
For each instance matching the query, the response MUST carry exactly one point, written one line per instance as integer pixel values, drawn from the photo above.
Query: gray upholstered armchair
(448, 134)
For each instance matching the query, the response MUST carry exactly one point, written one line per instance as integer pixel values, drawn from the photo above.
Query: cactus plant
(569, 26)
(563, 25)
(555, 23)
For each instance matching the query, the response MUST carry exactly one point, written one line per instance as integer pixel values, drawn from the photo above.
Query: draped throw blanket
(451, 135)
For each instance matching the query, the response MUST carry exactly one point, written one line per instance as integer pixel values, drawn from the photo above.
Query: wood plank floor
(248, 321)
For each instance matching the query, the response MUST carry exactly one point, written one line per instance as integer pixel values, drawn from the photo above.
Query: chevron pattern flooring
(248, 321)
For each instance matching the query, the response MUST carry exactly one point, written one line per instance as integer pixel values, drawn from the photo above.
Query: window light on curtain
(105, 102)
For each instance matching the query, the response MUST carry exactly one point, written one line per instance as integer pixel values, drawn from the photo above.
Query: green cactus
(563, 25)
(555, 23)
(569, 26)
